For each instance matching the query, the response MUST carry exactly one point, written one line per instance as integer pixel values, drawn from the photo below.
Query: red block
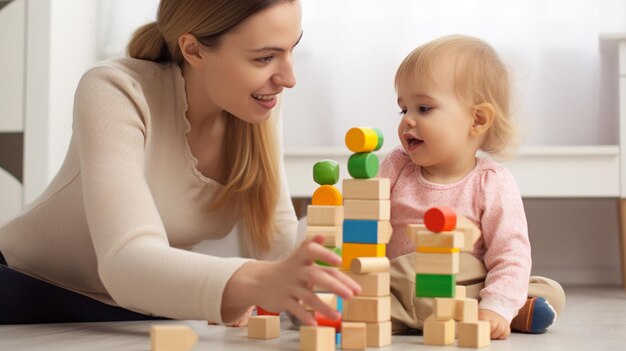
(440, 219)
(261, 312)
(323, 321)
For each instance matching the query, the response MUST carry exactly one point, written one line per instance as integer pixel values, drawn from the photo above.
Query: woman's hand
(500, 328)
(284, 284)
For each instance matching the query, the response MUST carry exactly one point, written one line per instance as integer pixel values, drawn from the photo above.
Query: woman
(170, 147)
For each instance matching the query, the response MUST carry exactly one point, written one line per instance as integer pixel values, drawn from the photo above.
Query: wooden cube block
(325, 216)
(435, 285)
(317, 338)
(264, 327)
(364, 265)
(332, 235)
(460, 292)
(438, 332)
(474, 334)
(426, 238)
(444, 308)
(372, 284)
(366, 189)
(353, 336)
(379, 210)
(436, 263)
(466, 310)
(367, 309)
(378, 334)
(172, 338)
(328, 298)
(351, 251)
(470, 231)
(366, 231)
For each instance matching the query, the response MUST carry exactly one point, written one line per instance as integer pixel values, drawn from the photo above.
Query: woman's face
(254, 62)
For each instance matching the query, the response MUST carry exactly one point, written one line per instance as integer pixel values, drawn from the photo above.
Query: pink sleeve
(505, 234)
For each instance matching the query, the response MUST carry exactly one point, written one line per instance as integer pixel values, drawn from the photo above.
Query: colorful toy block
(470, 230)
(466, 310)
(327, 195)
(260, 311)
(474, 334)
(440, 219)
(460, 292)
(378, 334)
(372, 284)
(326, 172)
(317, 338)
(366, 189)
(332, 235)
(379, 210)
(352, 251)
(438, 332)
(363, 165)
(353, 336)
(363, 265)
(364, 139)
(366, 231)
(336, 250)
(324, 321)
(435, 285)
(367, 309)
(264, 327)
(425, 238)
(436, 263)
(172, 338)
(324, 215)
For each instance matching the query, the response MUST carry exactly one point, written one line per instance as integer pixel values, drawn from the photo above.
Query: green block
(363, 165)
(381, 139)
(326, 172)
(336, 250)
(435, 285)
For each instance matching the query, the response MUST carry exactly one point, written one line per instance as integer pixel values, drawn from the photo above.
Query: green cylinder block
(381, 139)
(363, 165)
(326, 172)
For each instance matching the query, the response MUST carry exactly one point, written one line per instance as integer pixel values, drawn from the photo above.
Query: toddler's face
(434, 130)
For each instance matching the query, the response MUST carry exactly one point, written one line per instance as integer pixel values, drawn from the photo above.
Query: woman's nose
(286, 76)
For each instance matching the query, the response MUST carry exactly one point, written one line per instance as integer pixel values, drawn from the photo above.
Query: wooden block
(444, 308)
(364, 265)
(470, 231)
(436, 263)
(327, 195)
(353, 336)
(172, 338)
(363, 165)
(435, 285)
(325, 216)
(438, 332)
(264, 327)
(332, 235)
(466, 310)
(364, 139)
(367, 309)
(474, 334)
(460, 292)
(366, 189)
(440, 219)
(329, 299)
(317, 338)
(366, 231)
(372, 284)
(379, 210)
(426, 238)
(378, 334)
(326, 172)
(351, 251)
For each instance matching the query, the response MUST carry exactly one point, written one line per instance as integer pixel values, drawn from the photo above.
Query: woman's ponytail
(147, 43)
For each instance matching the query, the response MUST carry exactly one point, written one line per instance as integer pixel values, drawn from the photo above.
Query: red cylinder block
(324, 321)
(440, 219)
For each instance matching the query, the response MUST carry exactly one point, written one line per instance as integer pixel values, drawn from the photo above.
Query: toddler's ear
(483, 115)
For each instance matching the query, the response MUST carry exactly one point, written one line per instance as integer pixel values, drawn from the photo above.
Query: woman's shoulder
(130, 70)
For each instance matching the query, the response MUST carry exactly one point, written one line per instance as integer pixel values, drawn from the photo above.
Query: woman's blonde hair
(252, 153)
(479, 76)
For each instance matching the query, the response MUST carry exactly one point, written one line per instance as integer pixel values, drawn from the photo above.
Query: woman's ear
(483, 115)
(190, 48)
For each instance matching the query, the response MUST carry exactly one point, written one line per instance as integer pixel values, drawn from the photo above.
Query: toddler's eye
(402, 112)
(424, 108)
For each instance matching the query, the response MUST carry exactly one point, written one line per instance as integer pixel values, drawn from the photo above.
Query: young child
(454, 97)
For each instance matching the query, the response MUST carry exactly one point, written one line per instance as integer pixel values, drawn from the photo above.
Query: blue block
(360, 231)
(339, 304)
(338, 339)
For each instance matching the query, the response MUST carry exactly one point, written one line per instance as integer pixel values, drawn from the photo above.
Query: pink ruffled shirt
(489, 196)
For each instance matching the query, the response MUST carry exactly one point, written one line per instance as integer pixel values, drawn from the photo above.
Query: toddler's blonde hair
(479, 76)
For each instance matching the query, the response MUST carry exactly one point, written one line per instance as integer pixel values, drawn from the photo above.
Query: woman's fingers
(314, 251)
(344, 278)
(302, 314)
(328, 282)
(310, 299)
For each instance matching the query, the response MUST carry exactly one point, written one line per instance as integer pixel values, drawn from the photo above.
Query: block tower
(366, 231)
(438, 243)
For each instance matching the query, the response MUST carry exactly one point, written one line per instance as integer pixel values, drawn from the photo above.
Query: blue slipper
(535, 317)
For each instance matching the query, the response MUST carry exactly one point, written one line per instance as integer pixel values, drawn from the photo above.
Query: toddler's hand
(500, 328)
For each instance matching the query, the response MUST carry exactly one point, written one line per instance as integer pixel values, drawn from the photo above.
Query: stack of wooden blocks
(438, 243)
(366, 231)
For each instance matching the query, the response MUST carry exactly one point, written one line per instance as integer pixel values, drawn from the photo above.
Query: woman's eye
(265, 59)
(424, 109)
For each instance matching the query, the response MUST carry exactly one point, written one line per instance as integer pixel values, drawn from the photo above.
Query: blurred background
(563, 57)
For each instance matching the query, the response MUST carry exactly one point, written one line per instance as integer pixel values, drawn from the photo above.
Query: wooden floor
(594, 319)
